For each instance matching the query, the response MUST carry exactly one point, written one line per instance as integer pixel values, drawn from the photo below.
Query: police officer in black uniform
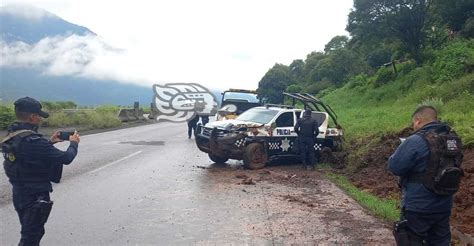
(31, 164)
(192, 125)
(204, 119)
(307, 130)
(426, 209)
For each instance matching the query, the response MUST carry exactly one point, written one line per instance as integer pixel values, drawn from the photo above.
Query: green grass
(386, 209)
(90, 119)
(365, 110)
(101, 117)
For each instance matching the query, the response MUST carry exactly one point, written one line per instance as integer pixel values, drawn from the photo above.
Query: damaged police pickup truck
(264, 133)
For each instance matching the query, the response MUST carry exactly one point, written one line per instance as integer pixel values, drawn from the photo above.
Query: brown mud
(372, 175)
(302, 207)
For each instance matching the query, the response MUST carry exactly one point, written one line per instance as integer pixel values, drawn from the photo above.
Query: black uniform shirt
(307, 127)
(37, 151)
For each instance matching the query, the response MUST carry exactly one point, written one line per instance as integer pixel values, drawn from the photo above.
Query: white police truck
(264, 133)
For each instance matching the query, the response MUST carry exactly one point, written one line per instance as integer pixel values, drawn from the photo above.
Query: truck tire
(326, 156)
(255, 156)
(218, 159)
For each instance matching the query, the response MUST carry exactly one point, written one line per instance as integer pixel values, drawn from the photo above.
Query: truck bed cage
(312, 103)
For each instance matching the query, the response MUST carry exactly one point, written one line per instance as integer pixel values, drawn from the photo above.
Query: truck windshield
(241, 96)
(258, 115)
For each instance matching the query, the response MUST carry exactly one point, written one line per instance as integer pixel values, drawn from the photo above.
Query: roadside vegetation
(386, 209)
(391, 63)
(67, 114)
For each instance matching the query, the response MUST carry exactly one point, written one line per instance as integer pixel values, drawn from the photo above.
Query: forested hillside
(399, 54)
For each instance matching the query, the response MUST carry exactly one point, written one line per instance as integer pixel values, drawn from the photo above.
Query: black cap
(30, 105)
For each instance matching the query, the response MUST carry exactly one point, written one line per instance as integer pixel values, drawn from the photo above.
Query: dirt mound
(463, 211)
(373, 176)
(372, 156)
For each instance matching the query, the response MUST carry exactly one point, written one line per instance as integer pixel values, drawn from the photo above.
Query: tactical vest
(14, 164)
(443, 172)
(308, 128)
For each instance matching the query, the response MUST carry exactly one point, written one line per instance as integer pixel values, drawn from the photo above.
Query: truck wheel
(326, 155)
(255, 156)
(218, 159)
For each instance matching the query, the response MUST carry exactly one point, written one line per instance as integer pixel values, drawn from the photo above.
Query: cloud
(215, 43)
(25, 11)
(58, 56)
(90, 57)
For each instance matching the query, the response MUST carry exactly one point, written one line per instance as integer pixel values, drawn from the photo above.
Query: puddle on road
(148, 143)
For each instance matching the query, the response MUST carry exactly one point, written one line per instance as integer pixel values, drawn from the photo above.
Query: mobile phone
(64, 135)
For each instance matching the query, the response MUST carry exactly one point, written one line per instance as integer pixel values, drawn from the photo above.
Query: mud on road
(302, 206)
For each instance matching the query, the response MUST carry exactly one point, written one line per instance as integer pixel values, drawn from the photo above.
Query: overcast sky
(219, 44)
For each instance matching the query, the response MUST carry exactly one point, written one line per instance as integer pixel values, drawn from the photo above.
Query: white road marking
(115, 162)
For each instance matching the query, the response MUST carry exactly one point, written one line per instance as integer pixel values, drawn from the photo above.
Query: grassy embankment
(386, 209)
(370, 106)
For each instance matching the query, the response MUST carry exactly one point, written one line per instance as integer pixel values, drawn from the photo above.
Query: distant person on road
(31, 164)
(429, 165)
(307, 129)
(192, 125)
(204, 119)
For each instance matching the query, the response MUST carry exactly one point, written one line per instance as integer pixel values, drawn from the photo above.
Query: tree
(453, 13)
(296, 70)
(337, 42)
(310, 63)
(294, 88)
(378, 57)
(335, 67)
(398, 20)
(273, 83)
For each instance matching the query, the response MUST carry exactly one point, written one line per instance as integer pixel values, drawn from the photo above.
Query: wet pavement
(150, 185)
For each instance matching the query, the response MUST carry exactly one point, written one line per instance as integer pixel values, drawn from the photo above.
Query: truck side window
(285, 120)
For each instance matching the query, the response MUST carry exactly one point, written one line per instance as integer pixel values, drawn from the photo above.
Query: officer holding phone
(31, 164)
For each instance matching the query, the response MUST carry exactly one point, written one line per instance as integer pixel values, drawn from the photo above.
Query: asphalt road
(150, 185)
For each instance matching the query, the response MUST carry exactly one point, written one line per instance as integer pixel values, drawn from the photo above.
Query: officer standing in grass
(429, 165)
(31, 164)
(307, 130)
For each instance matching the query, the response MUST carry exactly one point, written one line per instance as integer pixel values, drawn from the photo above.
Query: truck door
(285, 136)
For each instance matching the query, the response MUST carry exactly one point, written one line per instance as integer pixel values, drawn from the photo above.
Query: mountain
(29, 25)
(20, 82)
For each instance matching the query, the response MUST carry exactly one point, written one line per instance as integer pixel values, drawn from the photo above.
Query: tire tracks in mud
(301, 207)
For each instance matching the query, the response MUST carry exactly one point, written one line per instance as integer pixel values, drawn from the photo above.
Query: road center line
(115, 162)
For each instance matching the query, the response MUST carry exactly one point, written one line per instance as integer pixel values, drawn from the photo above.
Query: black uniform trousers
(433, 228)
(306, 145)
(33, 211)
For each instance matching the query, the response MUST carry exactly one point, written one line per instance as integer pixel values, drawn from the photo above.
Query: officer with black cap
(307, 129)
(31, 164)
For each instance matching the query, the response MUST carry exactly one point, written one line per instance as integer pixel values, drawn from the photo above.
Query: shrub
(435, 102)
(453, 60)
(108, 109)
(7, 116)
(384, 75)
(318, 86)
(405, 67)
(357, 81)
(294, 88)
(89, 119)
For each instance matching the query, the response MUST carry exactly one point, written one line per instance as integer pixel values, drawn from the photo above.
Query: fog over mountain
(30, 25)
(49, 58)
